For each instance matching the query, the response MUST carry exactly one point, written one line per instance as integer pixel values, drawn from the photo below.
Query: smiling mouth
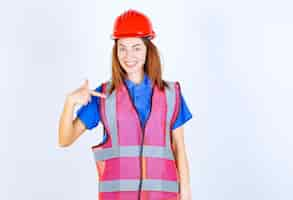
(130, 64)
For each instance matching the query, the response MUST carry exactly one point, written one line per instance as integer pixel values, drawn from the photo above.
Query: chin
(133, 70)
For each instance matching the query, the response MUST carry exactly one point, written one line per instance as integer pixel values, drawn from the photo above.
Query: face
(132, 55)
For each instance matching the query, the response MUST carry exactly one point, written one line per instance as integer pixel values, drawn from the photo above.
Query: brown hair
(152, 67)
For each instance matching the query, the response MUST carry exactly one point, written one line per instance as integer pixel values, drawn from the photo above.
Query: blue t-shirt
(141, 97)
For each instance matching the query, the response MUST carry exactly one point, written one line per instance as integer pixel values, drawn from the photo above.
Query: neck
(136, 78)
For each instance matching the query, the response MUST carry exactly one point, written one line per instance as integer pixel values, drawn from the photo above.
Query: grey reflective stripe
(156, 151)
(110, 112)
(171, 99)
(132, 151)
(133, 185)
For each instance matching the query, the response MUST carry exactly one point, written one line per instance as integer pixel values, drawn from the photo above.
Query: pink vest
(137, 163)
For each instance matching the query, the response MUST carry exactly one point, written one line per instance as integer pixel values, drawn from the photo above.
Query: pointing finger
(85, 84)
(97, 94)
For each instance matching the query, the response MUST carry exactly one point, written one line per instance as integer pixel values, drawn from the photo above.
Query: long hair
(152, 67)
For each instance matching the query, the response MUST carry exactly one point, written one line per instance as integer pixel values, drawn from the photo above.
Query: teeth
(130, 63)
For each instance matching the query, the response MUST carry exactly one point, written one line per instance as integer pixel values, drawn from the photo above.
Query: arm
(181, 162)
(69, 129)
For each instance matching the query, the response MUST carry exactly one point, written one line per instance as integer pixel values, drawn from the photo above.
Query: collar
(144, 83)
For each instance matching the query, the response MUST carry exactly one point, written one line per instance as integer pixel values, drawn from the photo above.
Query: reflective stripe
(171, 99)
(132, 151)
(110, 111)
(133, 185)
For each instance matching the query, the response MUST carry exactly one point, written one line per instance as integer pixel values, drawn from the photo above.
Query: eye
(137, 49)
(121, 49)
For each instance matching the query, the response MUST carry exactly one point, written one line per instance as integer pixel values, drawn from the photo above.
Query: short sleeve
(90, 114)
(184, 114)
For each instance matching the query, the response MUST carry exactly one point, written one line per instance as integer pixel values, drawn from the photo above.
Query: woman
(142, 155)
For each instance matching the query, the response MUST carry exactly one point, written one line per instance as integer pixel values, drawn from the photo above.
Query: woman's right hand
(82, 95)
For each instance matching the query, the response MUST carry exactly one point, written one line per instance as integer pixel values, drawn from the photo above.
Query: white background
(232, 58)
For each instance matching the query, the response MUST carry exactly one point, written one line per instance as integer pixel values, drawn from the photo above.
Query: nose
(128, 54)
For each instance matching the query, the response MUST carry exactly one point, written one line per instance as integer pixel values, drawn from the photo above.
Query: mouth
(130, 64)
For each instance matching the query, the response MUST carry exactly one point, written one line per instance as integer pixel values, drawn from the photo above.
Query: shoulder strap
(173, 101)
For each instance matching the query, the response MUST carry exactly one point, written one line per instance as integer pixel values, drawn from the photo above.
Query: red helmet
(132, 23)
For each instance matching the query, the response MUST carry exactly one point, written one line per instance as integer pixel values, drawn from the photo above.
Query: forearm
(65, 124)
(183, 169)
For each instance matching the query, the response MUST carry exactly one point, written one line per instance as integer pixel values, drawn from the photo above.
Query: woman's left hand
(185, 194)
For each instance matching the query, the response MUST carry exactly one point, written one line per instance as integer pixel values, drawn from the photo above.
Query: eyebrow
(132, 45)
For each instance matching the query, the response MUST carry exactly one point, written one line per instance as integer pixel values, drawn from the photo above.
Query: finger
(85, 84)
(97, 94)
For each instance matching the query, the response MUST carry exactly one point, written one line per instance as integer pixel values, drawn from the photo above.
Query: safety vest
(135, 162)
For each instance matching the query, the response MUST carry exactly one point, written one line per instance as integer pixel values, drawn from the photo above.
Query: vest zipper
(143, 132)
